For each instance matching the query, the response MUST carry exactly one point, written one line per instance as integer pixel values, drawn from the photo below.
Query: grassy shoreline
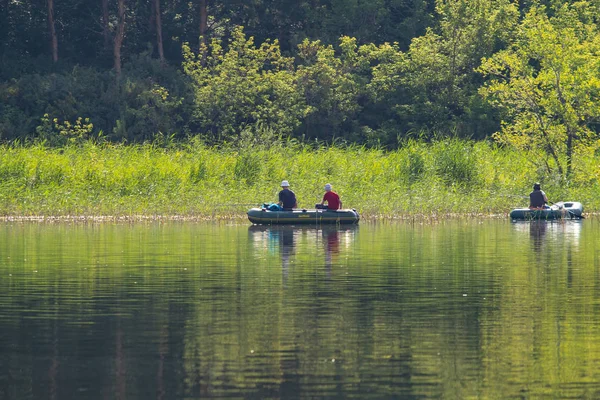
(237, 218)
(194, 182)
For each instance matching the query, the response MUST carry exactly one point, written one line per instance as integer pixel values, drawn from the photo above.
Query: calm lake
(454, 310)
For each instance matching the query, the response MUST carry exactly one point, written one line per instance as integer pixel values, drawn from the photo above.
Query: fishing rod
(235, 204)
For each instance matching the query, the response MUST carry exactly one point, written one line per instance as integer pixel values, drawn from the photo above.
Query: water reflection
(550, 232)
(331, 239)
(453, 310)
(279, 239)
(283, 240)
(537, 232)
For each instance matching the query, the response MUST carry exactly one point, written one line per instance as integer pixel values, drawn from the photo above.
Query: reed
(190, 180)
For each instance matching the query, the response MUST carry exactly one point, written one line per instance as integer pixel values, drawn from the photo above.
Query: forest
(525, 74)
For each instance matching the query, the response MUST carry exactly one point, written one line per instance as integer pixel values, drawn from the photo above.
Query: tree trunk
(105, 28)
(203, 29)
(51, 26)
(203, 21)
(569, 152)
(159, 38)
(568, 125)
(119, 36)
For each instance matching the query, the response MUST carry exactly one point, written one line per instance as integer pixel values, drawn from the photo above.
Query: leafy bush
(243, 86)
(55, 133)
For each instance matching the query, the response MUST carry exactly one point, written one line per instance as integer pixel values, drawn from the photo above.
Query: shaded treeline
(62, 57)
(364, 72)
(85, 30)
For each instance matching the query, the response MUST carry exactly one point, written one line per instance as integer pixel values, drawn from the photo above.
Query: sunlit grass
(435, 180)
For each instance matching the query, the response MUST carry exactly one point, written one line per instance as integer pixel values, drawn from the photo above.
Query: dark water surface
(454, 310)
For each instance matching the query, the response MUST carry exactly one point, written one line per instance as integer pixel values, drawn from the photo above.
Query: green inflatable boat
(265, 216)
(562, 210)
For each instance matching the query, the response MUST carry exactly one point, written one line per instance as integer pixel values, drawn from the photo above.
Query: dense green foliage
(548, 82)
(444, 177)
(152, 95)
(336, 71)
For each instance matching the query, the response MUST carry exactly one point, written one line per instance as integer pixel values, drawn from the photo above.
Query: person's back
(287, 198)
(332, 198)
(537, 198)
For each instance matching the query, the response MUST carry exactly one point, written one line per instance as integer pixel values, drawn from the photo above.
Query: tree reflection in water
(459, 309)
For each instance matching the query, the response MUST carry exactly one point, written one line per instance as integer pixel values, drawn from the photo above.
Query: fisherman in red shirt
(332, 199)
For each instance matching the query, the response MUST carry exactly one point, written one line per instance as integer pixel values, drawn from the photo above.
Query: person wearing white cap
(332, 198)
(287, 198)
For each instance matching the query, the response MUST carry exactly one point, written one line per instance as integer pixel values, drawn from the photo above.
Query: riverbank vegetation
(189, 107)
(192, 180)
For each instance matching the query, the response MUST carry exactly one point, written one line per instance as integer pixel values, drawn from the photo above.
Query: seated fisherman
(332, 198)
(287, 198)
(537, 198)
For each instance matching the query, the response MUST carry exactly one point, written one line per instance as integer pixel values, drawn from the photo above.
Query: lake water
(454, 310)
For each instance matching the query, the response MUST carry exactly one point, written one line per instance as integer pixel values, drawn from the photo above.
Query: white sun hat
(285, 184)
(328, 187)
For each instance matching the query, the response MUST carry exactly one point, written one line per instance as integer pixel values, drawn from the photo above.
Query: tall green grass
(435, 179)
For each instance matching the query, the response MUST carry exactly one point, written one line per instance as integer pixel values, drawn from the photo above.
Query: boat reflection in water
(287, 241)
(544, 232)
(537, 232)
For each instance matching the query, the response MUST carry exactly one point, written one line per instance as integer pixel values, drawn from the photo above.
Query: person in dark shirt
(332, 199)
(537, 198)
(287, 198)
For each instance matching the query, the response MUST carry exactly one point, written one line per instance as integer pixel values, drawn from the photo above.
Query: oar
(570, 212)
